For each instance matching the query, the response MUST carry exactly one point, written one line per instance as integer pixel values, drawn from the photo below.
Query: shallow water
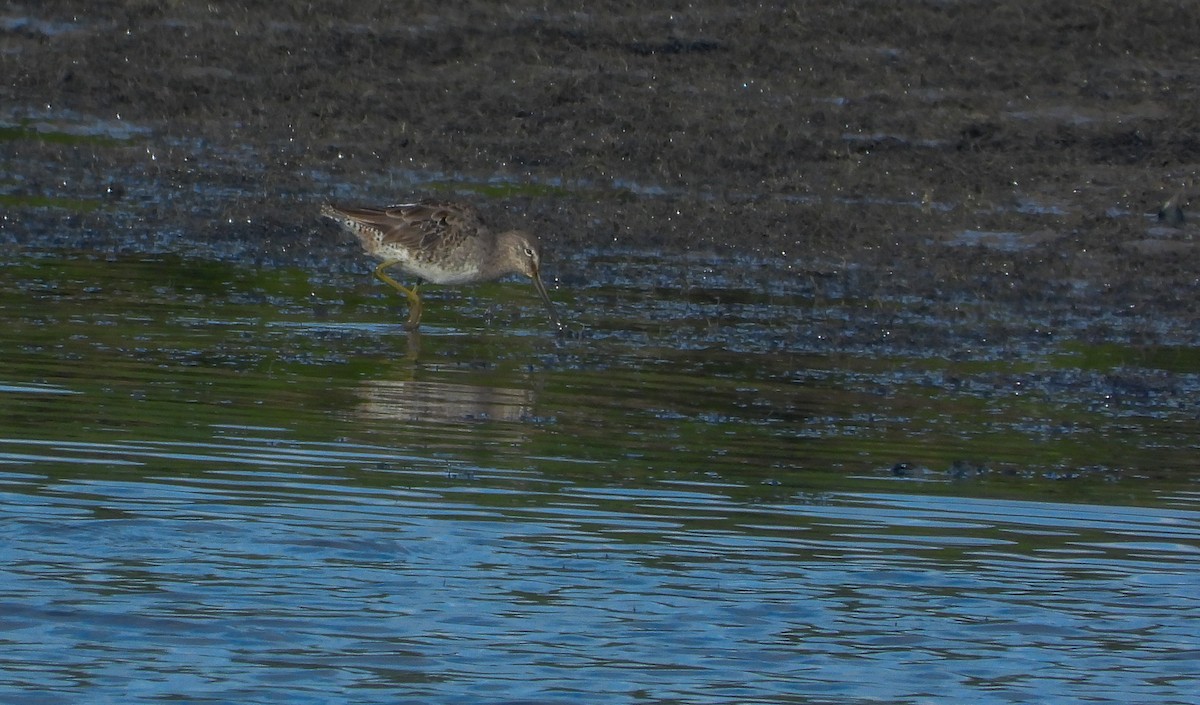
(723, 487)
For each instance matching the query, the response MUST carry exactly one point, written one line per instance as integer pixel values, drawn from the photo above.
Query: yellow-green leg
(414, 301)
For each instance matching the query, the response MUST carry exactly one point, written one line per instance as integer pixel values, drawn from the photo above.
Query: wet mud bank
(955, 154)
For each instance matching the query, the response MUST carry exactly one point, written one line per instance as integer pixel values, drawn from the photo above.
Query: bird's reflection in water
(442, 402)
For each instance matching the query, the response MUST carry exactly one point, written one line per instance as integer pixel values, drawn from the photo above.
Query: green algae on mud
(30, 130)
(75, 205)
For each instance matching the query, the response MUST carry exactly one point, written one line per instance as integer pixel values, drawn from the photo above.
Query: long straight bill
(541, 289)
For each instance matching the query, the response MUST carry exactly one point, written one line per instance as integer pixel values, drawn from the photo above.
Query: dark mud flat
(1011, 155)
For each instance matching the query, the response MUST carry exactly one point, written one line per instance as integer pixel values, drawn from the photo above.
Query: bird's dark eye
(529, 252)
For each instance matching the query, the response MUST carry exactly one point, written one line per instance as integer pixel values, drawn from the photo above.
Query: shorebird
(441, 243)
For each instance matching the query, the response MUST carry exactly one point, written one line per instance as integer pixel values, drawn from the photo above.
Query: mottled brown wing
(430, 224)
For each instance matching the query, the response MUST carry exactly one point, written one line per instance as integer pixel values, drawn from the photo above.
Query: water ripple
(301, 575)
(206, 496)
